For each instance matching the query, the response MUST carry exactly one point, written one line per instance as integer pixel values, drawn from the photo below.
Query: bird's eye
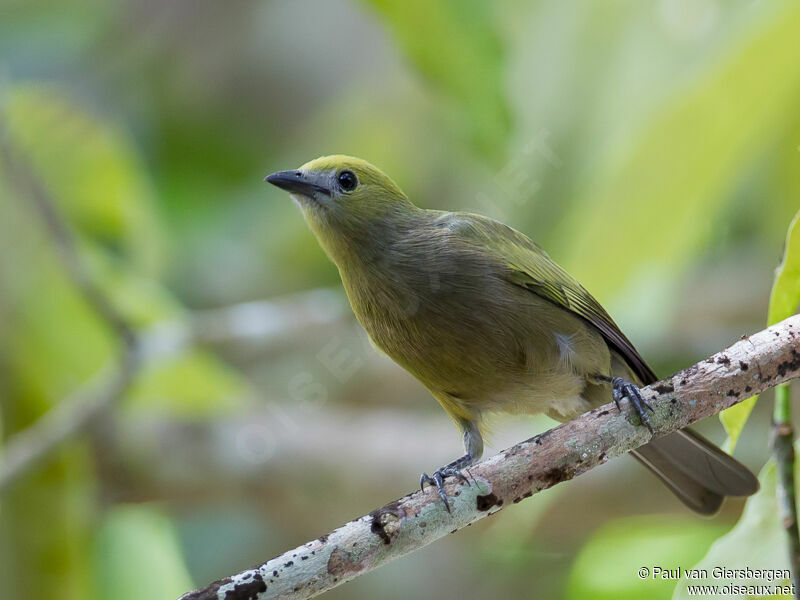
(347, 180)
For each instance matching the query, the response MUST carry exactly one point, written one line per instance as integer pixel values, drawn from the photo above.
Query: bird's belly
(559, 395)
(472, 371)
(507, 351)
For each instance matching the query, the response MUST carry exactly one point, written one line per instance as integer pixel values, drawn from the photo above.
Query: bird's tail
(696, 471)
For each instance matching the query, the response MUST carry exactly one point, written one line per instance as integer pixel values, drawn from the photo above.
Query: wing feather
(531, 268)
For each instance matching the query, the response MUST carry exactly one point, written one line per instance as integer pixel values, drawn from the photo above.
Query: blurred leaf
(90, 167)
(38, 555)
(783, 303)
(138, 556)
(456, 44)
(756, 541)
(733, 420)
(52, 342)
(786, 290)
(608, 564)
(657, 199)
(192, 385)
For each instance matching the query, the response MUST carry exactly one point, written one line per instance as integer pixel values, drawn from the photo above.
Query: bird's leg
(473, 444)
(622, 388)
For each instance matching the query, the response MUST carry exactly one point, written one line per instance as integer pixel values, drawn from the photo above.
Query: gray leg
(473, 445)
(622, 388)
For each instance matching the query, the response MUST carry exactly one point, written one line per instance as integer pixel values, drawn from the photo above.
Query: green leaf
(192, 385)
(456, 44)
(783, 303)
(756, 541)
(53, 342)
(90, 167)
(785, 294)
(138, 556)
(658, 196)
(608, 565)
(734, 419)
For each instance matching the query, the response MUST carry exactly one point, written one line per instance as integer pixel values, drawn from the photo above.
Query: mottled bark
(751, 365)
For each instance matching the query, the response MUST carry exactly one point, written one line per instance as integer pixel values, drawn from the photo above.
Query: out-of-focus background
(652, 148)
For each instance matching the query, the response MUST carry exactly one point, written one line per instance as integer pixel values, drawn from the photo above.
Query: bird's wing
(531, 268)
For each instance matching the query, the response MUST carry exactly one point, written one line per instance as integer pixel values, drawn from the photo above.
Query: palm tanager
(485, 319)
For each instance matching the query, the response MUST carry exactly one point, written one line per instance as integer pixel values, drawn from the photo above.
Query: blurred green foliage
(757, 540)
(783, 303)
(650, 147)
(608, 566)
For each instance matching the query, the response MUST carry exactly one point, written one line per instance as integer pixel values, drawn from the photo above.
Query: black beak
(296, 182)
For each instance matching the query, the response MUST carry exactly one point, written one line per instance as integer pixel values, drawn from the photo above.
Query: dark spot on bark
(248, 590)
(341, 562)
(683, 382)
(303, 558)
(602, 414)
(484, 503)
(297, 588)
(211, 591)
(556, 475)
(275, 574)
(288, 564)
(537, 441)
(724, 360)
(743, 365)
(423, 523)
(530, 477)
(731, 393)
(789, 365)
(378, 526)
(748, 389)
(664, 388)
(323, 538)
(521, 498)
(673, 401)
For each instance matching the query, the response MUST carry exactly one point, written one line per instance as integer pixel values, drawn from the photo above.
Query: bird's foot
(622, 388)
(455, 469)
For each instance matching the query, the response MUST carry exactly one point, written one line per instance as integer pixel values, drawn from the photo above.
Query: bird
(488, 322)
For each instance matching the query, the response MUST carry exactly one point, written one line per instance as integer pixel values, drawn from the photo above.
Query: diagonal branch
(750, 366)
(73, 414)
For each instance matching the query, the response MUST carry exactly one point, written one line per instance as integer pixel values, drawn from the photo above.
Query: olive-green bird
(485, 319)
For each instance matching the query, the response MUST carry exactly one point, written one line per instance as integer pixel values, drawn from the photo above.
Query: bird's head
(344, 199)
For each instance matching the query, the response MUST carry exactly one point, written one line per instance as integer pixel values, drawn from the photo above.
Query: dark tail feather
(696, 471)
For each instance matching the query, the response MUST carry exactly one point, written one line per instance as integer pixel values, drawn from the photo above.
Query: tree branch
(73, 414)
(750, 366)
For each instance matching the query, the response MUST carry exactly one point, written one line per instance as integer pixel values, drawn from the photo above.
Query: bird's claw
(439, 475)
(622, 388)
